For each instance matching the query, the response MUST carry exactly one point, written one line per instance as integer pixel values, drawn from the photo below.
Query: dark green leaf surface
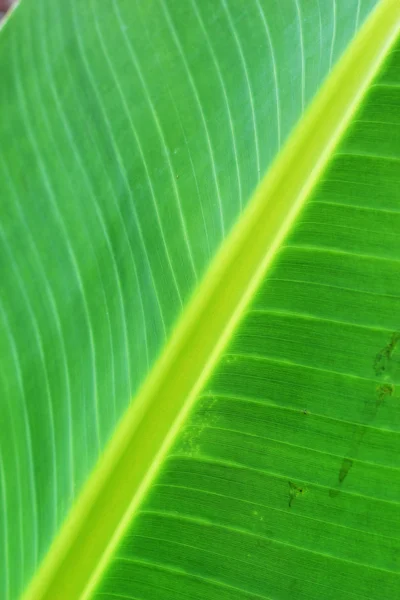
(285, 482)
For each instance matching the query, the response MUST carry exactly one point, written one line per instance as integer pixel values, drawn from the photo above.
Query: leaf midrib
(92, 531)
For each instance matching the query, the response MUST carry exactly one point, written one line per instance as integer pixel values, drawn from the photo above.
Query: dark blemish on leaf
(294, 491)
(394, 341)
(344, 469)
(346, 465)
(383, 365)
(383, 358)
(380, 363)
(383, 391)
(305, 412)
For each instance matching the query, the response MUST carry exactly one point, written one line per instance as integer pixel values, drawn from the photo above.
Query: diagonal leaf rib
(129, 464)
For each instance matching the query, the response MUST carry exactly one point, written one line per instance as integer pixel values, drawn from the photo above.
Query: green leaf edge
(81, 551)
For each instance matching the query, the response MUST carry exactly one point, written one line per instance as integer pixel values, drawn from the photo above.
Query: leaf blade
(249, 239)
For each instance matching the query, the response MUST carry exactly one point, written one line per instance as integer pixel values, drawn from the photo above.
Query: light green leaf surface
(133, 136)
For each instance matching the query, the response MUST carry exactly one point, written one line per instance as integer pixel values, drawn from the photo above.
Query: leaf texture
(133, 137)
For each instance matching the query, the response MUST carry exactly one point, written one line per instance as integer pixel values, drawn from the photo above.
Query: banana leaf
(200, 300)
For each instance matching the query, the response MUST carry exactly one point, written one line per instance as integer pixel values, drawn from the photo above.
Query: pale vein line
(50, 297)
(171, 569)
(335, 287)
(78, 157)
(289, 447)
(196, 181)
(333, 36)
(336, 251)
(42, 355)
(16, 484)
(320, 40)
(225, 94)
(247, 563)
(376, 121)
(63, 120)
(150, 38)
(213, 462)
(246, 532)
(200, 109)
(148, 179)
(160, 132)
(22, 104)
(286, 362)
(4, 512)
(278, 357)
(274, 72)
(246, 73)
(257, 504)
(195, 519)
(385, 231)
(52, 302)
(233, 464)
(57, 213)
(301, 316)
(381, 157)
(357, 16)
(100, 214)
(384, 84)
(358, 207)
(34, 533)
(268, 403)
(69, 424)
(303, 68)
(46, 284)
